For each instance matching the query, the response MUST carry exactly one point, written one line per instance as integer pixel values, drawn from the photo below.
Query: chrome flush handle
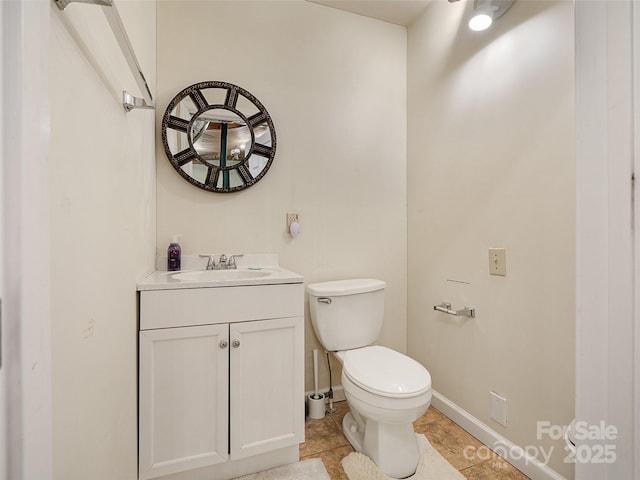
(325, 300)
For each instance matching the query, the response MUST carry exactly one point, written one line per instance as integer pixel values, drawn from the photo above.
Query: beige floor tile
(453, 443)
(494, 469)
(320, 436)
(325, 440)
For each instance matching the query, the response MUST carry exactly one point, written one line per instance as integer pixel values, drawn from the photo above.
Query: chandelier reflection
(212, 137)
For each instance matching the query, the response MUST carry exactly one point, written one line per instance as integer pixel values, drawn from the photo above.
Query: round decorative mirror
(218, 136)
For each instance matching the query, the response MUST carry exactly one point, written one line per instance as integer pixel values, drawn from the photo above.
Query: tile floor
(324, 439)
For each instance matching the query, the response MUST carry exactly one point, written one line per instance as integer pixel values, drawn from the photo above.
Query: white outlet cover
(498, 408)
(292, 218)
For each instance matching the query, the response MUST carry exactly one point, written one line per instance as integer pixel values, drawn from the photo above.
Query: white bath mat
(431, 466)
(311, 469)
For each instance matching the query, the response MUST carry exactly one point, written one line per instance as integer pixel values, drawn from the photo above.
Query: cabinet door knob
(235, 343)
(224, 344)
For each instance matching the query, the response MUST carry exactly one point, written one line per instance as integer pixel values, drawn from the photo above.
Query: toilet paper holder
(445, 307)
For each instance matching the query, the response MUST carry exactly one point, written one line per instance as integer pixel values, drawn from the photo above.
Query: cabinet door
(266, 385)
(184, 375)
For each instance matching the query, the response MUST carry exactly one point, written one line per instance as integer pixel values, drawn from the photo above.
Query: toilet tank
(347, 314)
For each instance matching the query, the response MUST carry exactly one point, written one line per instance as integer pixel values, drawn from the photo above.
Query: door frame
(25, 284)
(607, 271)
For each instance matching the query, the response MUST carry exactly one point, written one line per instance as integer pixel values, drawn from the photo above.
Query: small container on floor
(317, 406)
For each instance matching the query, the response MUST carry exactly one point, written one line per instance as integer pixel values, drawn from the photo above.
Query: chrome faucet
(211, 263)
(224, 263)
(232, 261)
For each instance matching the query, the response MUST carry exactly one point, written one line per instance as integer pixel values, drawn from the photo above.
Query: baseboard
(519, 458)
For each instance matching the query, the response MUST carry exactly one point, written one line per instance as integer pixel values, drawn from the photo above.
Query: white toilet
(385, 389)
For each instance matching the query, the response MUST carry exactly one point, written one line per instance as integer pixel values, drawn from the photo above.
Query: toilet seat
(385, 372)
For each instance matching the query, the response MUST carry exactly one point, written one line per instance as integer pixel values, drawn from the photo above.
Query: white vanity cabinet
(220, 380)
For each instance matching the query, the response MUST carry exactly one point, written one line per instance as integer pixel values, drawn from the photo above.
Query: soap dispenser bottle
(173, 255)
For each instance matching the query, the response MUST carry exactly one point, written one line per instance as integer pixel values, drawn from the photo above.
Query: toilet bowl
(386, 390)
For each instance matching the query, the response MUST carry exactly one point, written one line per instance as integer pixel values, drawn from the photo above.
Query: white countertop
(250, 271)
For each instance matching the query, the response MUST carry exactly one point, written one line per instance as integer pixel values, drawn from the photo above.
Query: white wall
(335, 86)
(102, 240)
(491, 164)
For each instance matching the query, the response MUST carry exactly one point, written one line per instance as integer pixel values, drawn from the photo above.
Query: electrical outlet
(497, 262)
(498, 408)
(291, 218)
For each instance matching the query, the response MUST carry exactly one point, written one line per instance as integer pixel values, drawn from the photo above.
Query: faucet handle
(232, 260)
(211, 263)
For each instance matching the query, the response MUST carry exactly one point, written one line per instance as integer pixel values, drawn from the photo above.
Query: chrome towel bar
(129, 102)
(445, 307)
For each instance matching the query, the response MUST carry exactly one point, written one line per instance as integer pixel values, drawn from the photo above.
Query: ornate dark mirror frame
(222, 174)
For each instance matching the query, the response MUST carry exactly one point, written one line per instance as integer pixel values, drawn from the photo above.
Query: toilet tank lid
(336, 288)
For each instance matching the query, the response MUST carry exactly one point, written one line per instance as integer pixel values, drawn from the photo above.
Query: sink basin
(219, 275)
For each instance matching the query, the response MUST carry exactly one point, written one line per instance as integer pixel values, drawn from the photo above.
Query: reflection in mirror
(196, 171)
(218, 136)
